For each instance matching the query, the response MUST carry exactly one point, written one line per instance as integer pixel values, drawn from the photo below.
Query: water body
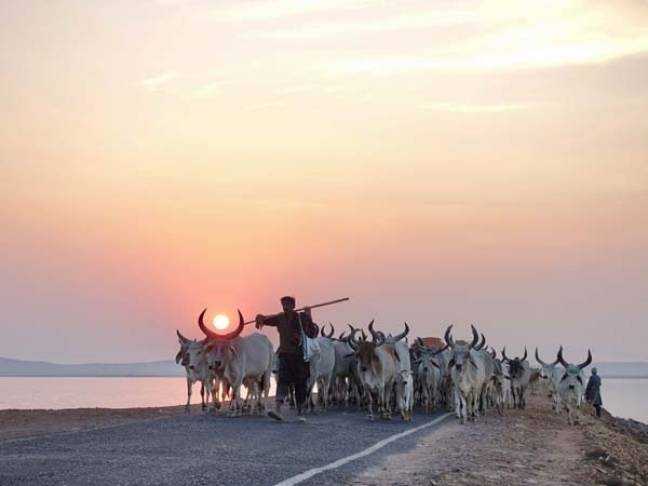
(627, 398)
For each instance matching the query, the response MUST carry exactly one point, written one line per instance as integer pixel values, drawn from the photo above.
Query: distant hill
(17, 367)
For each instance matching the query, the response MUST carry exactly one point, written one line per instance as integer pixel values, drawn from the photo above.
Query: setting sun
(221, 321)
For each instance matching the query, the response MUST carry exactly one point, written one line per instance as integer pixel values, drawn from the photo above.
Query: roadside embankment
(534, 446)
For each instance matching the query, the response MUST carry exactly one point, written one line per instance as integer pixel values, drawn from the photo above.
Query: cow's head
(194, 355)
(573, 376)
(219, 353)
(516, 365)
(426, 357)
(219, 348)
(546, 369)
(364, 350)
(182, 358)
(190, 353)
(461, 350)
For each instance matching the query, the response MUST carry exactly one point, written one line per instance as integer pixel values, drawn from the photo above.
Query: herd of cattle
(379, 372)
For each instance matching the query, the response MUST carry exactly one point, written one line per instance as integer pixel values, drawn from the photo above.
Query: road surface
(203, 449)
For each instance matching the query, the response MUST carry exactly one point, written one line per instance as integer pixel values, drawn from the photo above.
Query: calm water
(625, 398)
(58, 393)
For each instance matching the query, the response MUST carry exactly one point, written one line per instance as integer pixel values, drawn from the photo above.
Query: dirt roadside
(534, 446)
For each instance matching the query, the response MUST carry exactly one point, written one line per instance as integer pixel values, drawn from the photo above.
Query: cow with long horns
(550, 373)
(520, 375)
(572, 384)
(429, 373)
(240, 360)
(346, 381)
(192, 357)
(404, 382)
(377, 371)
(322, 367)
(467, 370)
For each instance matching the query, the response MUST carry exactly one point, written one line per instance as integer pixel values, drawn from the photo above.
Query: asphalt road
(202, 449)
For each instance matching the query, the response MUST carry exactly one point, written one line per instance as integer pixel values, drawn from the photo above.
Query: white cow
(572, 384)
(428, 372)
(346, 383)
(192, 357)
(240, 360)
(322, 367)
(467, 370)
(404, 383)
(550, 373)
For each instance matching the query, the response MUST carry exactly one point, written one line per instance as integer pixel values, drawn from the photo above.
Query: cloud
(264, 10)
(159, 80)
(475, 108)
(398, 22)
(209, 89)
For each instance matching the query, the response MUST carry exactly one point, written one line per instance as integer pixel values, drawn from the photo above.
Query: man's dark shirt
(289, 334)
(593, 390)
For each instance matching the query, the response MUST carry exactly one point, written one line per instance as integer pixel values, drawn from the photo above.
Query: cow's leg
(202, 394)
(188, 395)
(370, 397)
(457, 400)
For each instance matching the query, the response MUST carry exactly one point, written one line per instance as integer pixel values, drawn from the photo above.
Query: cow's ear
(232, 350)
(178, 357)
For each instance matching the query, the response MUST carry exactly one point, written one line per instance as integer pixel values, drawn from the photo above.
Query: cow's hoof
(187, 410)
(370, 417)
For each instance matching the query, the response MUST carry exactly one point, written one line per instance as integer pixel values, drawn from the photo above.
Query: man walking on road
(293, 369)
(593, 391)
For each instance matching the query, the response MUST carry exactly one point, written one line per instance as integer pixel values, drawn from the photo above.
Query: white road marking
(345, 460)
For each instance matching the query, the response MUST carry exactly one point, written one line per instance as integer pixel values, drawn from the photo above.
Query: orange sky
(438, 163)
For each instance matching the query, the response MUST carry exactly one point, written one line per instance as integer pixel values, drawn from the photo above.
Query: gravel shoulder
(534, 446)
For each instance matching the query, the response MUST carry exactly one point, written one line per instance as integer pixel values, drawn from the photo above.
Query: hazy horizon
(445, 163)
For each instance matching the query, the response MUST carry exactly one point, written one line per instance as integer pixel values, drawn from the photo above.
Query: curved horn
(475, 337)
(587, 361)
(400, 336)
(561, 359)
(525, 354)
(351, 340)
(181, 337)
(556, 361)
(342, 336)
(482, 343)
(330, 334)
(374, 334)
(364, 335)
(537, 357)
(201, 324)
(504, 354)
(222, 337)
(493, 353)
(448, 337)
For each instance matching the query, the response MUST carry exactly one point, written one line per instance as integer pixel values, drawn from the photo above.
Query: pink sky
(437, 163)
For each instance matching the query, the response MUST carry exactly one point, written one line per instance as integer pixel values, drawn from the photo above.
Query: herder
(293, 369)
(593, 391)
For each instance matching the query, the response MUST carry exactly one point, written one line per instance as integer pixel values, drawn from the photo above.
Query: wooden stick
(330, 302)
